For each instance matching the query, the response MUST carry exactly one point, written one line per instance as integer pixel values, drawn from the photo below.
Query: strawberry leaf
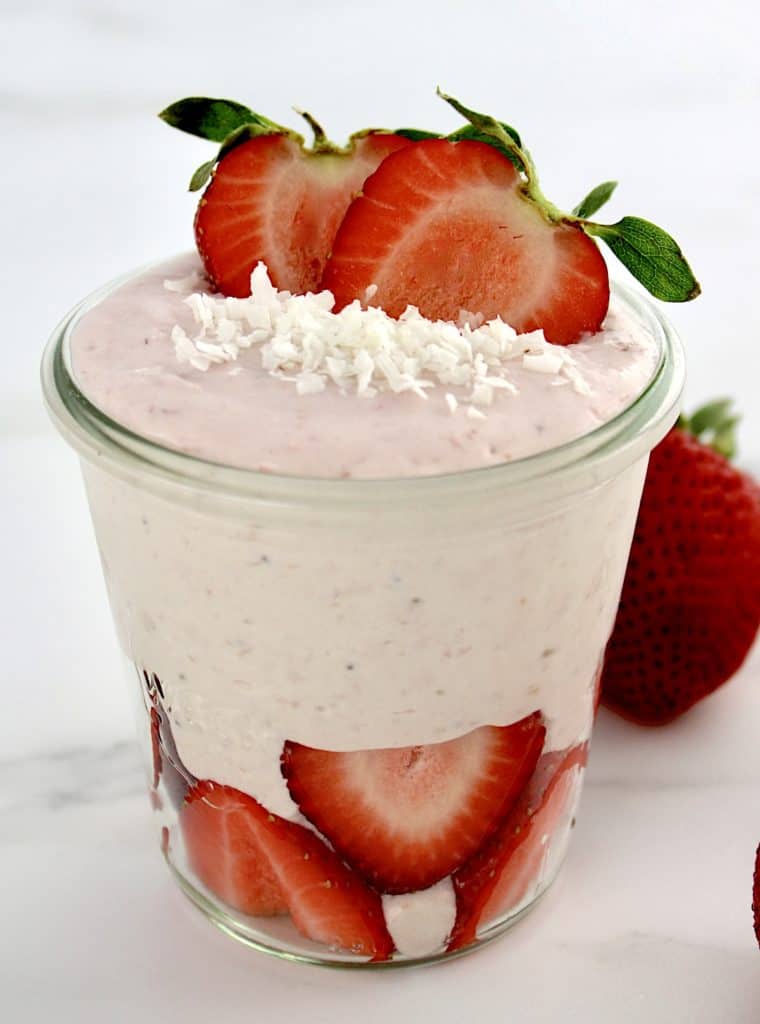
(415, 134)
(714, 424)
(209, 118)
(477, 135)
(201, 176)
(595, 200)
(651, 255)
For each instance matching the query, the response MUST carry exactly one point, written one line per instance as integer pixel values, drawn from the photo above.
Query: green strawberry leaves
(714, 424)
(212, 119)
(651, 255)
(415, 134)
(648, 252)
(595, 200)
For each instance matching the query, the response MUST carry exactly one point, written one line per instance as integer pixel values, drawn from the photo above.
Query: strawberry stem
(321, 143)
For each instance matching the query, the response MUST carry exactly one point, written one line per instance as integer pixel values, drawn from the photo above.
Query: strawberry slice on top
(445, 226)
(407, 817)
(270, 198)
(461, 223)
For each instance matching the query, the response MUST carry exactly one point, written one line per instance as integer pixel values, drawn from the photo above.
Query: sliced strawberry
(272, 200)
(220, 829)
(263, 865)
(445, 226)
(409, 816)
(328, 901)
(499, 876)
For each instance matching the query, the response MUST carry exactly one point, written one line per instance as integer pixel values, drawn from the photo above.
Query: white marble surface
(650, 921)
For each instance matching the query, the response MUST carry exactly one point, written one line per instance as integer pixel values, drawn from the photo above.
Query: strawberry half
(220, 828)
(261, 864)
(407, 817)
(272, 200)
(499, 876)
(690, 606)
(446, 226)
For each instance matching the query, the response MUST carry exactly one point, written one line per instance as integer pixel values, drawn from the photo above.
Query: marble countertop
(650, 920)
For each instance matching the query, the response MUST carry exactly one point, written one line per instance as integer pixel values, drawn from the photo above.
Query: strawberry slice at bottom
(499, 876)
(328, 901)
(406, 817)
(219, 826)
(263, 865)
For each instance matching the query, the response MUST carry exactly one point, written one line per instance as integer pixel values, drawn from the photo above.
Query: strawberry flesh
(271, 200)
(263, 865)
(407, 817)
(690, 606)
(445, 226)
(501, 873)
(219, 827)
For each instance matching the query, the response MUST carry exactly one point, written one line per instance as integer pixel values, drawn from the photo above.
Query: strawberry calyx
(647, 251)
(713, 425)
(231, 124)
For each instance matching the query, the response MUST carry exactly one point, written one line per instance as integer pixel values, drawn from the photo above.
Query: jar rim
(97, 437)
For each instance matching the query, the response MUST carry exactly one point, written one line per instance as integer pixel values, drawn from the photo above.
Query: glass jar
(365, 704)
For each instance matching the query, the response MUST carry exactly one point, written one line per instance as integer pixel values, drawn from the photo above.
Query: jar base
(297, 949)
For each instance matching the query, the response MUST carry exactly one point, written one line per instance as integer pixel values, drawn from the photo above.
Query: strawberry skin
(445, 226)
(690, 606)
(407, 817)
(263, 865)
(272, 200)
(219, 826)
(500, 874)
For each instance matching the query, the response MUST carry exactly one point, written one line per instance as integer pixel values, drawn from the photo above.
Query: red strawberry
(446, 226)
(499, 876)
(328, 901)
(263, 865)
(272, 200)
(690, 607)
(756, 896)
(220, 829)
(407, 817)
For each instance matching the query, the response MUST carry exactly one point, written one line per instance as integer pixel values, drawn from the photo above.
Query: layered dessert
(368, 648)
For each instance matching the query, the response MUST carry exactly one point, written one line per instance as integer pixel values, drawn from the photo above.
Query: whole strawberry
(690, 607)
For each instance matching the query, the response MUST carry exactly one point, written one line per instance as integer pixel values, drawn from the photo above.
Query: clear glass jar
(297, 644)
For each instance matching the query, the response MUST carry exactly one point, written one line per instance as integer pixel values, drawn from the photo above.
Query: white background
(650, 921)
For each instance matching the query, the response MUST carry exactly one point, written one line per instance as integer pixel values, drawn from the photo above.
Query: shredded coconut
(363, 350)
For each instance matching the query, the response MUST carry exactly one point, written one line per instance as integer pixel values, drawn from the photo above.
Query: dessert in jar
(364, 473)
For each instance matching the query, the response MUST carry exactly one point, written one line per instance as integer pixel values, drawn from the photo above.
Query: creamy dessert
(370, 670)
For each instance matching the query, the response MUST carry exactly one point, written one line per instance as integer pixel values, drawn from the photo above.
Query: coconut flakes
(361, 349)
